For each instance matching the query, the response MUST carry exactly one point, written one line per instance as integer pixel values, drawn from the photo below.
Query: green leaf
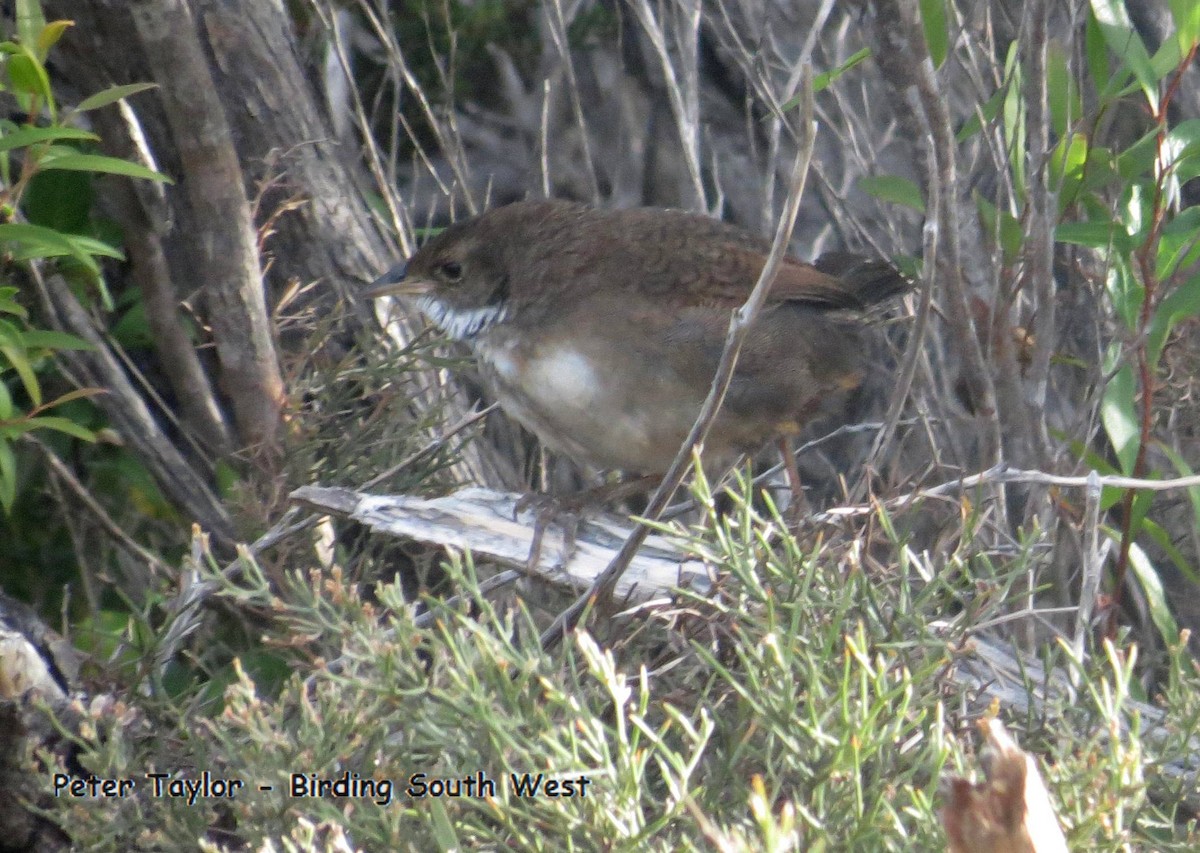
(111, 95)
(1186, 14)
(1184, 470)
(1119, 416)
(1177, 244)
(1124, 289)
(8, 476)
(10, 306)
(1163, 540)
(985, 113)
(1013, 115)
(27, 135)
(1098, 174)
(6, 403)
(16, 358)
(29, 76)
(36, 241)
(77, 394)
(1068, 162)
(1000, 225)
(92, 246)
(937, 33)
(1138, 159)
(1181, 149)
(62, 425)
(1062, 90)
(1182, 303)
(50, 339)
(30, 20)
(1166, 59)
(100, 163)
(1137, 211)
(894, 189)
(443, 828)
(1094, 235)
(1124, 41)
(1097, 54)
(825, 79)
(1152, 588)
(64, 201)
(49, 37)
(9, 334)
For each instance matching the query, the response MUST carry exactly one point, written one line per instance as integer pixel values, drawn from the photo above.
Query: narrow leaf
(1148, 577)
(937, 33)
(1119, 416)
(1187, 23)
(30, 20)
(24, 370)
(37, 241)
(8, 476)
(50, 339)
(823, 80)
(110, 96)
(49, 37)
(894, 189)
(64, 425)
(29, 76)
(1124, 41)
(100, 163)
(28, 135)
(1094, 235)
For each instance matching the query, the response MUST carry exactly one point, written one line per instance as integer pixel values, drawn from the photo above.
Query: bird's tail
(866, 281)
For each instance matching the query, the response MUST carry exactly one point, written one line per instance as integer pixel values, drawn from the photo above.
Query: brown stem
(1145, 258)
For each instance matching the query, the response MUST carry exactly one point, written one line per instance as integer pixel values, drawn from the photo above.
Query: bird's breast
(560, 390)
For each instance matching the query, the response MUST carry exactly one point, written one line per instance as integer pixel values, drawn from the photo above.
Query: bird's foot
(568, 510)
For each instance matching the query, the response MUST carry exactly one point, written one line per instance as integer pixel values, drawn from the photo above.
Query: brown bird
(600, 330)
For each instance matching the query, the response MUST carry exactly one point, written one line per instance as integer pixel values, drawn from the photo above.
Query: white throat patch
(461, 323)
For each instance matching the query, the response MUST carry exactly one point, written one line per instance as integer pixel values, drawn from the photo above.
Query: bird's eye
(451, 271)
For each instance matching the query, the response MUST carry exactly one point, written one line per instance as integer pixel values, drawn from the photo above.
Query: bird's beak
(395, 282)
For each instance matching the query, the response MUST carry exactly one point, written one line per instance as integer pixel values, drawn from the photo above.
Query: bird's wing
(837, 281)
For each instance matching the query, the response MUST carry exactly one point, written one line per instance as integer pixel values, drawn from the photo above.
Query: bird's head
(459, 279)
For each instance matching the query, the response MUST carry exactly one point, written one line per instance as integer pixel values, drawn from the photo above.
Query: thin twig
(102, 517)
(1039, 246)
(1089, 585)
(912, 353)
(1000, 474)
(558, 34)
(432, 445)
(683, 95)
(739, 324)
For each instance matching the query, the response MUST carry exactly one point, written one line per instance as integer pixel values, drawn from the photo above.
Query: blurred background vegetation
(193, 194)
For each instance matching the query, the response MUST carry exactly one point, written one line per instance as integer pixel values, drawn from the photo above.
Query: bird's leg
(549, 509)
(798, 504)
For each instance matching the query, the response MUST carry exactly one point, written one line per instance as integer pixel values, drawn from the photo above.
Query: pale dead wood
(482, 521)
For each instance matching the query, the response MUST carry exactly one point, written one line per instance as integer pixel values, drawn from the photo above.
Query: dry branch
(483, 522)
